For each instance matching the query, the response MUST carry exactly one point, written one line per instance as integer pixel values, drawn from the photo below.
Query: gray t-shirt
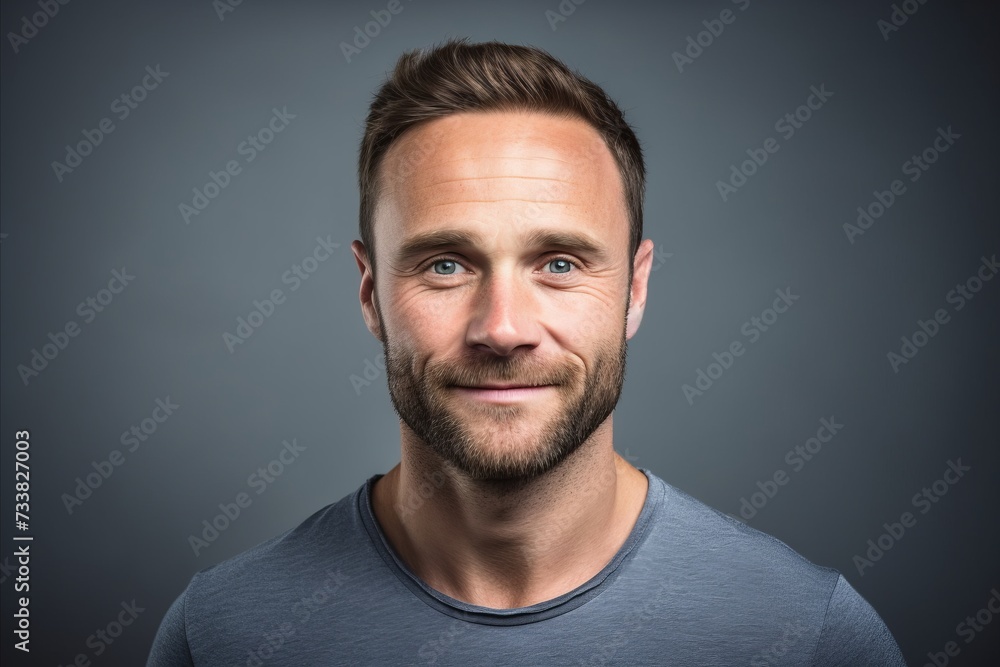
(690, 586)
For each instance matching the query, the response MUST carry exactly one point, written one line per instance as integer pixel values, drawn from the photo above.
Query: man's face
(503, 262)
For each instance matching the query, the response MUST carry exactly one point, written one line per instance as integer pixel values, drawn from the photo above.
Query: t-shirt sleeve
(854, 634)
(170, 647)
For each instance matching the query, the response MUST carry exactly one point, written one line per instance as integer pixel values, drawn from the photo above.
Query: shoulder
(731, 575)
(328, 539)
(225, 606)
(696, 531)
(854, 634)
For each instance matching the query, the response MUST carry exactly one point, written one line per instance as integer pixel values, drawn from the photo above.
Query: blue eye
(451, 265)
(563, 264)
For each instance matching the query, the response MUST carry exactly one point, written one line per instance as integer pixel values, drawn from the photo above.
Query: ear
(641, 267)
(367, 295)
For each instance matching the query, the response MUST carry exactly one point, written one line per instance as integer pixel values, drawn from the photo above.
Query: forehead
(521, 167)
(513, 134)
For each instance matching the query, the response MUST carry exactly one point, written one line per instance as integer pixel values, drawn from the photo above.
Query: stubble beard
(489, 446)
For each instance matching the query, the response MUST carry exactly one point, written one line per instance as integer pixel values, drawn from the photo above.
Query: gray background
(162, 335)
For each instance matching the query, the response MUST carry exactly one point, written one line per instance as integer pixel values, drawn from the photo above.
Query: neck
(504, 544)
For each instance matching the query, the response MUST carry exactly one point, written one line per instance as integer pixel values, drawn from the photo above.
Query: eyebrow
(433, 241)
(443, 239)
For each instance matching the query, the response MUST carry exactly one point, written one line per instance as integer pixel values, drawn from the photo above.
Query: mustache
(511, 371)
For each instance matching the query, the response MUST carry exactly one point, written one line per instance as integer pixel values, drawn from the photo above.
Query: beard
(500, 442)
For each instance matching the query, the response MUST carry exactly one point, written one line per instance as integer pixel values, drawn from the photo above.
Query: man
(502, 270)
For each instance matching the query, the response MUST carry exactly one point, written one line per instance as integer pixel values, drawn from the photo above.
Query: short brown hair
(491, 76)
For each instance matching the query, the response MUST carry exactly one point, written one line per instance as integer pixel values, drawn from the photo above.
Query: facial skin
(501, 311)
(530, 288)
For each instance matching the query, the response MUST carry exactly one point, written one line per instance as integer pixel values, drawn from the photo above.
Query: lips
(502, 386)
(503, 393)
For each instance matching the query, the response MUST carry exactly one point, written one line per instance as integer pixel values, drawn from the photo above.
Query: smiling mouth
(503, 393)
(502, 386)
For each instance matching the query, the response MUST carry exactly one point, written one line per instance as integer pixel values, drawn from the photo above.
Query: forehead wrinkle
(554, 184)
(521, 149)
(486, 178)
(394, 185)
(506, 167)
(494, 201)
(504, 157)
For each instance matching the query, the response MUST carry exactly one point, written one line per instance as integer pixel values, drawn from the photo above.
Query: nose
(504, 316)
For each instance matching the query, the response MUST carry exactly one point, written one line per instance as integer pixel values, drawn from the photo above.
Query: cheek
(421, 319)
(582, 324)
